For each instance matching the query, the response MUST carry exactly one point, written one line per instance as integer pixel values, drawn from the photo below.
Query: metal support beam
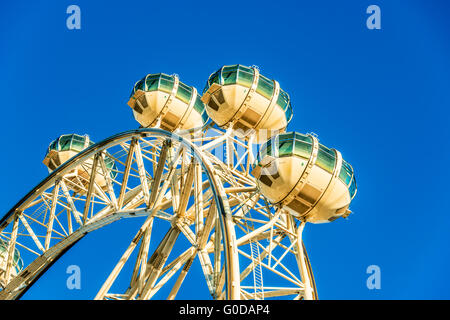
(126, 174)
(51, 217)
(11, 248)
(87, 204)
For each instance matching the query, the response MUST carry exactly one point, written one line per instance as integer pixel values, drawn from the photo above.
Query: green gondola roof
(243, 75)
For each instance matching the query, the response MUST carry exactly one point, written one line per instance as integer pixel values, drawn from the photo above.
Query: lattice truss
(197, 199)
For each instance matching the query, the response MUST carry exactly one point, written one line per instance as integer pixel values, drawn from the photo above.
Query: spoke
(209, 224)
(108, 283)
(11, 248)
(31, 232)
(69, 199)
(157, 261)
(202, 239)
(142, 173)
(141, 261)
(182, 257)
(187, 190)
(176, 179)
(208, 270)
(181, 277)
(198, 196)
(217, 251)
(187, 261)
(90, 188)
(126, 174)
(158, 172)
(162, 191)
(220, 284)
(52, 215)
(157, 264)
(108, 180)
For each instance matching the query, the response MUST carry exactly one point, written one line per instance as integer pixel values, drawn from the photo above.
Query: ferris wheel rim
(207, 162)
(216, 187)
(96, 147)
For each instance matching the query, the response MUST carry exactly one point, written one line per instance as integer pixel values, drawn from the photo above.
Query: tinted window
(285, 148)
(152, 82)
(289, 113)
(140, 85)
(166, 84)
(184, 92)
(229, 75)
(302, 149)
(214, 78)
(346, 174)
(64, 142)
(326, 159)
(283, 100)
(352, 188)
(265, 87)
(78, 143)
(53, 145)
(245, 76)
(198, 105)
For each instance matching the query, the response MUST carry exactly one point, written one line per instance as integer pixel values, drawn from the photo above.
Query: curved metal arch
(18, 286)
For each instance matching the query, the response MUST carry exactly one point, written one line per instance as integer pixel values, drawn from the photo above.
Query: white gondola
(310, 180)
(66, 147)
(241, 97)
(161, 100)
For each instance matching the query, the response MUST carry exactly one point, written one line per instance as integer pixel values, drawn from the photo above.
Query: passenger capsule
(310, 180)
(241, 97)
(17, 263)
(160, 100)
(66, 147)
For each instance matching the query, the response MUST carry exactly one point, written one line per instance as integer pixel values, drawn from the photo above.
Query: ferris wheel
(213, 177)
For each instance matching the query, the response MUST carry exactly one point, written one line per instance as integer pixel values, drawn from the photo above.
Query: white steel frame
(247, 248)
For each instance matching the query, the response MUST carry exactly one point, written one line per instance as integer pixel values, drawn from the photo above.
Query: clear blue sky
(381, 97)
